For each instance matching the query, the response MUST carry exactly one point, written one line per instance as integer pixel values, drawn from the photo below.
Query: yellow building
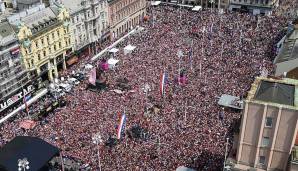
(45, 39)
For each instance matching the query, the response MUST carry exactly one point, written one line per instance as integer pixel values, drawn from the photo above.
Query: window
(265, 142)
(38, 56)
(262, 160)
(268, 122)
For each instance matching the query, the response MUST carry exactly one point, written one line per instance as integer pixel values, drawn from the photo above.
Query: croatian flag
(163, 82)
(92, 76)
(121, 127)
(25, 99)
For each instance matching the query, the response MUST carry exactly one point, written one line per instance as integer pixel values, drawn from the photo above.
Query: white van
(65, 87)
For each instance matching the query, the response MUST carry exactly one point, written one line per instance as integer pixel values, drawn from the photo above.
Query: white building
(89, 22)
(254, 6)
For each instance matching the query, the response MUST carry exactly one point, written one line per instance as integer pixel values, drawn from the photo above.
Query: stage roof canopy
(155, 3)
(129, 47)
(113, 50)
(196, 8)
(112, 61)
(183, 168)
(37, 152)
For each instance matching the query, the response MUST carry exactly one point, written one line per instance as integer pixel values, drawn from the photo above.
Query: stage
(230, 101)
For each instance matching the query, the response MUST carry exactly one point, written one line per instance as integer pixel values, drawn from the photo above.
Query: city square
(157, 108)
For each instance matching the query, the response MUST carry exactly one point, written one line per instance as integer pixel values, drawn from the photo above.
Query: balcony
(86, 5)
(253, 4)
(94, 2)
(10, 77)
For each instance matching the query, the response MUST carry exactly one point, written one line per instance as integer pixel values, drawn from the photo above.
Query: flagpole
(226, 153)
(125, 136)
(25, 102)
(185, 110)
(62, 163)
(192, 52)
(200, 68)
(158, 144)
(203, 42)
(164, 92)
(222, 45)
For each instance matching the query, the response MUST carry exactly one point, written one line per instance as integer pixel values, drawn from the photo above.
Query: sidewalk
(22, 107)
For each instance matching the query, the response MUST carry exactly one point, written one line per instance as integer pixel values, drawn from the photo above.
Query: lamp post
(96, 139)
(23, 164)
(226, 153)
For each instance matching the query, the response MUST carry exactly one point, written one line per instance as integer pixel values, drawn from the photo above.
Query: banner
(92, 76)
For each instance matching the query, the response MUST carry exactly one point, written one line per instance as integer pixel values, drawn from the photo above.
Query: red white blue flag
(163, 82)
(121, 127)
(92, 77)
(25, 99)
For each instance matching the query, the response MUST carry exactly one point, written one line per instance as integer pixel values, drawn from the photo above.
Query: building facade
(254, 6)
(286, 61)
(13, 75)
(45, 40)
(27, 4)
(125, 14)
(269, 125)
(203, 3)
(89, 22)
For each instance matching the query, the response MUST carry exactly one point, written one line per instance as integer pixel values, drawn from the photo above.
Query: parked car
(79, 76)
(73, 81)
(65, 87)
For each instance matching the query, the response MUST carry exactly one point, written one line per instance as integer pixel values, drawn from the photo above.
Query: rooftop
(275, 92)
(40, 17)
(6, 33)
(27, 1)
(73, 5)
(289, 50)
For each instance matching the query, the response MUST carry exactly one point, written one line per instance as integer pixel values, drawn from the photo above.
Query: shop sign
(15, 51)
(10, 101)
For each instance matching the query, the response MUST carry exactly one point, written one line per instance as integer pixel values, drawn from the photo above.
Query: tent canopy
(113, 50)
(37, 152)
(155, 3)
(196, 8)
(129, 48)
(112, 61)
(183, 168)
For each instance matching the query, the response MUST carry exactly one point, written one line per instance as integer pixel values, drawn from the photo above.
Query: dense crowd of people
(222, 54)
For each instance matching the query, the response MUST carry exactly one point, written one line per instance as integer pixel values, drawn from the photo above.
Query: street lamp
(226, 153)
(23, 164)
(96, 139)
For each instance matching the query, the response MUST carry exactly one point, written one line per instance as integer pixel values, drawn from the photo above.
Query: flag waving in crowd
(121, 127)
(92, 76)
(163, 82)
(25, 99)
